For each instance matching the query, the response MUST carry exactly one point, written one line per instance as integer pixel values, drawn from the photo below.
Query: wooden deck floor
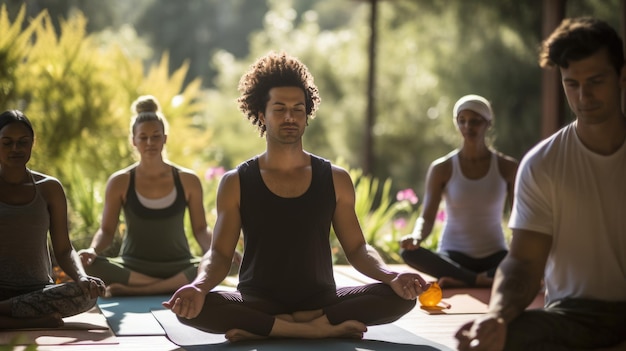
(437, 328)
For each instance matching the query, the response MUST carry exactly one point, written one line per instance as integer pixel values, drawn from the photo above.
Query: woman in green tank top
(154, 194)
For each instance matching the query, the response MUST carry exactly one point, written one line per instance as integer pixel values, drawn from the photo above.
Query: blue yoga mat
(387, 337)
(131, 315)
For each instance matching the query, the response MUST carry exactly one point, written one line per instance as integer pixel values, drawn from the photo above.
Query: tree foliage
(74, 67)
(77, 94)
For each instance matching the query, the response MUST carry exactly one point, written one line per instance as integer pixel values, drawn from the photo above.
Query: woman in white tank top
(474, 182)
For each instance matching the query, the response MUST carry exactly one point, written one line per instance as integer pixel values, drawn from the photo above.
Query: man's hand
(409, 285)
(187, 302)
(487, 333)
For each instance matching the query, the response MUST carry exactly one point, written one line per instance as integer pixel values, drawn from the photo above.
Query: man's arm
(519, 275)
(349, 233)
(516, 284)
(187, 301)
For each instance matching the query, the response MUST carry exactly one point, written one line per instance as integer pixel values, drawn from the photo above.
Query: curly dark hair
(578, 38)
(270, 71)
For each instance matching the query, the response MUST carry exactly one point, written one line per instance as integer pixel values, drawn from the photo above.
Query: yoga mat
(82, 329)
(58, 337)
(386, 337)
(130, 315)
(459, 304)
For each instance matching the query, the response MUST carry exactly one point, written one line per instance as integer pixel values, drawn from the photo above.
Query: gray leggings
(569, 324)
(66, 299)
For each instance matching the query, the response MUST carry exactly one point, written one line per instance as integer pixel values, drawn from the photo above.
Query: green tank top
(155, 234)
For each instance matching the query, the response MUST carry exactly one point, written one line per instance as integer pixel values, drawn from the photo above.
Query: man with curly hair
(285, 201)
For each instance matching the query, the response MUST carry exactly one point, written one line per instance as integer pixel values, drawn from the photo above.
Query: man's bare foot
(349, 329)
(285, 317)
(48, 321)
(300, 316)
(307, 316)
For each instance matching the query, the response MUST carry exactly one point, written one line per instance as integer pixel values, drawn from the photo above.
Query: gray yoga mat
(386, 337)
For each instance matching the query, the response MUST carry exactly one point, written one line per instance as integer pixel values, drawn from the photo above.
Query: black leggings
(569, 324)
(452, 264)
(370, 304)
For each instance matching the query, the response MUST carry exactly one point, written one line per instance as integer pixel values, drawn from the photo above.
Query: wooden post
(623, 35)
(552, 106)
(369, 160)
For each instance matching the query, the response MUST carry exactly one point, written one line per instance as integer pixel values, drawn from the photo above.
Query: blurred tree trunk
(552, 110)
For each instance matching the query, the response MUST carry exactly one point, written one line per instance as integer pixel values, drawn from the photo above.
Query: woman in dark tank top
(154, 195)
(33, 204)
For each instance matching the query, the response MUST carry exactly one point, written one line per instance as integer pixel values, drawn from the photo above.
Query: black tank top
(287, 255)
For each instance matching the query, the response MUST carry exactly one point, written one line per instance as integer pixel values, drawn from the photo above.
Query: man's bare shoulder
(340, 174)
(230, 179)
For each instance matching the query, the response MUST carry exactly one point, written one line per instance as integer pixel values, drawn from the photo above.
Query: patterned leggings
(66, 299)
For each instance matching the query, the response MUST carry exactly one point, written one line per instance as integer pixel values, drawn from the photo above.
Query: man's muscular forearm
(515, 287)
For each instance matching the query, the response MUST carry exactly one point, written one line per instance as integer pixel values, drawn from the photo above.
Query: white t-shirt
(579, 198)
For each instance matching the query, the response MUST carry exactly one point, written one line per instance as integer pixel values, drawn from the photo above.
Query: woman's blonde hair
(146, 108)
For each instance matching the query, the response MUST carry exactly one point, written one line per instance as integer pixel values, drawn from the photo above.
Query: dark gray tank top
(24, 256)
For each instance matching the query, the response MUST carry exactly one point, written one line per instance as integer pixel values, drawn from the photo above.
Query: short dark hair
(271, 71)
(578, 38)
(15, 116)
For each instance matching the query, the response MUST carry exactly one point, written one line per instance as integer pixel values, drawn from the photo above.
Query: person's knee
(200, 325)
(413, 258)
(524, 332)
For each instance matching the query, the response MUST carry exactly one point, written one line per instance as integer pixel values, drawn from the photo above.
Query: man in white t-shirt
(569, 213)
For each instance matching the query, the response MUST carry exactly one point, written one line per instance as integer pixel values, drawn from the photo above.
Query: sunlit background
(75, 66)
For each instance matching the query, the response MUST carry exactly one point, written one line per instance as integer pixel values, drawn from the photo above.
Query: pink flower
(407, 194)
(214, 173)
(441, 216)
(399, 223)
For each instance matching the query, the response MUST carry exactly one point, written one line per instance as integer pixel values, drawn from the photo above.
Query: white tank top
(474, 208)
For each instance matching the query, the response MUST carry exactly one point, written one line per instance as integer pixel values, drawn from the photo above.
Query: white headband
(474, 103)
